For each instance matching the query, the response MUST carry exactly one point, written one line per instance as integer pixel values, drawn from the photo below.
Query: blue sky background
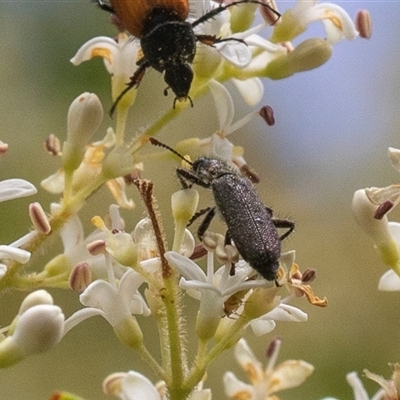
(333, 128)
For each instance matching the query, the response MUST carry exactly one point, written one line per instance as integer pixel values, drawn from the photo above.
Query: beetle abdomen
(249, 223)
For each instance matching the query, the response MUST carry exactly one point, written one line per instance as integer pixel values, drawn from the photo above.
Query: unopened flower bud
(184, 205)
(35, 298)
(37, 330)
(39, 218)
(242, 17)
(84, 117)
(310, 54)
(363, 24)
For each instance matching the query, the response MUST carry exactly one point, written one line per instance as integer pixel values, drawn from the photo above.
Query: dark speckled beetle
(250, 224)
(167, 39)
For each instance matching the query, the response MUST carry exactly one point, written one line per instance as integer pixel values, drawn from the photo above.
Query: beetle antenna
(156, 142)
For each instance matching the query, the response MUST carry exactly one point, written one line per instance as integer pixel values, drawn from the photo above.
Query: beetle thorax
(169, 44)
(210, 168)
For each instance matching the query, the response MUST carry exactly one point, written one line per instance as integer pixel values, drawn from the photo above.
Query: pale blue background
(333, 128)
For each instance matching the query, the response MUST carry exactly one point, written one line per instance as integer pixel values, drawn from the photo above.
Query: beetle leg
(186, 176)
(205, 223)
(284, 223)
(210, 40)
(228, 240)
(134, 81)
(105, 7)
(197, 215)
(215, 11)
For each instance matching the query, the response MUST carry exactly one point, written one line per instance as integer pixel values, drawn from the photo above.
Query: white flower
(116, 302)
(91, 168)
(338, 25)
(389, 388)
(232, 57)
(282, 312)
(119, 58)
(132, 385)
(234, 51)
(84, 117)
(265, 382)
(217, 145)
(212, 289)
(76, 248)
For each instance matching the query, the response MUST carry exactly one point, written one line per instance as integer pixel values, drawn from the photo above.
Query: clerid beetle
(250, 223)
(167, 40)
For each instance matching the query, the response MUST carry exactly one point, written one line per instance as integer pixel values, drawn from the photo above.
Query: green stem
(177, 361)
(202, 363)
(69, 207)
(122, 115)
(151, 362)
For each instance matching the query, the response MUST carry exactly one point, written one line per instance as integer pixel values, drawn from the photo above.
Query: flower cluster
(370, 208)
(123, 269)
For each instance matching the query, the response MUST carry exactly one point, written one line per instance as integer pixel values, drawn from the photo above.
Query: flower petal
(186, 267)
(389, 281)
(261, 327)
(290, 374)
(14, 253)
(136, 386)
(236, 389)
(224, 104)
(354, 381)
(252, 90)
(237, 53)
(99, 46)
(285, 312)
(248, 361)
(15, 188)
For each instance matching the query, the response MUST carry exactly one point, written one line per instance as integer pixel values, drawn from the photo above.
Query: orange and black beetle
(167, 40)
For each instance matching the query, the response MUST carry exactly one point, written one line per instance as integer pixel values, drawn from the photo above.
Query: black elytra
(250, 223)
